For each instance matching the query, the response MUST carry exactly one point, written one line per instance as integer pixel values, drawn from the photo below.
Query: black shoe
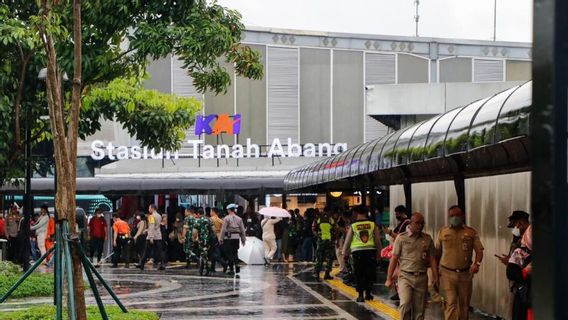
(225, 268)
(114, 266)
(230, 273)
(395, 297)
(368, 296)
(237, 269)
(327, 276)
(360, 298)
(317, 275)
(162, 268)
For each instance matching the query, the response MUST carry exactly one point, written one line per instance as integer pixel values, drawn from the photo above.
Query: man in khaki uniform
(414, 250)
(455, 244)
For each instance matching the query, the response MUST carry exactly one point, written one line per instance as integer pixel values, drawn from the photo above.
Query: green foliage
(47, 312)
(8, 268)
(118, 39)
(36, 285)
(157, 119)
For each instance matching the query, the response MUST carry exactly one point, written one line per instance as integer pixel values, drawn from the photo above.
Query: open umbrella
(274, 212)
(252, 252)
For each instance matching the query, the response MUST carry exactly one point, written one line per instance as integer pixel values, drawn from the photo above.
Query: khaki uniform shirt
(456, 245)
(414, 251)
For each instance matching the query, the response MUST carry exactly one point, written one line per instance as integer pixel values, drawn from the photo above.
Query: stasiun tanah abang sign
(215, 125)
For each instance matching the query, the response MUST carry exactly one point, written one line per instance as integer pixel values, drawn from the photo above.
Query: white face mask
(516, 232)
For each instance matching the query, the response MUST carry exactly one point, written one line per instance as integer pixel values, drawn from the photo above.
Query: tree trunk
(65, 142)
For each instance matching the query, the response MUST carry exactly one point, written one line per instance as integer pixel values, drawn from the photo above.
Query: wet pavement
(281, 291)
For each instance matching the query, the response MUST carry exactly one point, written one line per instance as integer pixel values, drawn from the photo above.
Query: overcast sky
(463, 19)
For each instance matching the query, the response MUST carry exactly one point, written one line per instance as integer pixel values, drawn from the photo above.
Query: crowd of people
(420, 265)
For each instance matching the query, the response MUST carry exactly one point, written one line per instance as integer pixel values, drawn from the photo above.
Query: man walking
(455, 244)
(153, 239)
(414, 250)
(323, 229)
(363, 240)
(120, 241)
(98, 235)
(233, 229)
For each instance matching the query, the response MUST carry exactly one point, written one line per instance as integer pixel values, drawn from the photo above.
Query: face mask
(455, 221)
(389, 238)
(516, 232)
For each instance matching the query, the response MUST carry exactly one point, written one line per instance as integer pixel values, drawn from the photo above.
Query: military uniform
(456, 245)
(413, 252)
(325, 249)
(188, 246)
(202, 224)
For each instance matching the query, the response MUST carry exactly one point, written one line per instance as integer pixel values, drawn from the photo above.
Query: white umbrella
(274, 212)
(252, 252)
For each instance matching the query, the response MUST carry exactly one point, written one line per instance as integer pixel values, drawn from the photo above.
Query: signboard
(214, 124)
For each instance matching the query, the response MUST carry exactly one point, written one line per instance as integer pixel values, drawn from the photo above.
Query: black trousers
(364, 265)
(215, 256)
(139, 246)
(122, 250)
(97, 247)
(13, 249)
(230, 250)
(158, 251)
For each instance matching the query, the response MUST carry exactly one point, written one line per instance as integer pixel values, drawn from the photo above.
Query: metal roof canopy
(486, 137)
(141, 185)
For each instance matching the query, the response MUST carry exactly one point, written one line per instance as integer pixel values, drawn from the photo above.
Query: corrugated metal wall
(283, 90)
(489, 201)
(488, 70)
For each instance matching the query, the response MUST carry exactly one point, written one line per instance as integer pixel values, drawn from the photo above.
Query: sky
(460, 19)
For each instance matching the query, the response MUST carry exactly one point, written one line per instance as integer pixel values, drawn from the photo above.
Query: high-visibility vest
(363, 236)
(326, 227)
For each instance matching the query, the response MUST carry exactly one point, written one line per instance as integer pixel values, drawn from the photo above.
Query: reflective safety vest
(325, 228)
(363, 236)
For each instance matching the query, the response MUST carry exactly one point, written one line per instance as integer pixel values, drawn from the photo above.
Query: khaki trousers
(456, 288)
(412, 292)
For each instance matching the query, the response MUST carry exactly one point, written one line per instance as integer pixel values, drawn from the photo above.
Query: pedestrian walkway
(280, 291)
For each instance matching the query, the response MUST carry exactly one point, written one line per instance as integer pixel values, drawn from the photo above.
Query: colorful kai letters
(214, 124)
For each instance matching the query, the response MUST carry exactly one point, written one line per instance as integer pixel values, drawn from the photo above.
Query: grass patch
(36, 285)
(47, 312)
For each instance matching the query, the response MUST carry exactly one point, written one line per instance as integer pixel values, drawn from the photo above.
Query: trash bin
(3, 249)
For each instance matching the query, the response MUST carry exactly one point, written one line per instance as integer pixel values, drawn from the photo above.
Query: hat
(517, 215)
(231, 206)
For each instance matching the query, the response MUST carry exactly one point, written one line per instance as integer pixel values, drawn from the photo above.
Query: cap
(231, 206)
(517, 215)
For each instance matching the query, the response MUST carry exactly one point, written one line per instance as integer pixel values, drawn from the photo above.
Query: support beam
(408, 197)
(548, 128)
(459, 185)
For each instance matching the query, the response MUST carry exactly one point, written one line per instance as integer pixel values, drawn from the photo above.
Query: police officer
(455, 245)
(323, 228)
(414, 251)
(363, 241)
(232, 230)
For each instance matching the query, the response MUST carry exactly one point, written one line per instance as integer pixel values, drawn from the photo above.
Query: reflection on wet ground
(281, 291)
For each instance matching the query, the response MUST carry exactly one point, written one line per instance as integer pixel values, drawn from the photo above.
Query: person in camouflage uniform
(323, 229)
(188, 235)
(203, 226)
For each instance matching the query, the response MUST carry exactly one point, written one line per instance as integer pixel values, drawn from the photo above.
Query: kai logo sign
(214, 124)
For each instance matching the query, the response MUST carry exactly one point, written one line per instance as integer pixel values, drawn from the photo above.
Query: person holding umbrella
(269, 237)
(232, 230)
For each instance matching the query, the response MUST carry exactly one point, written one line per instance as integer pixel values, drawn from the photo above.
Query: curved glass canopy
(480, 124)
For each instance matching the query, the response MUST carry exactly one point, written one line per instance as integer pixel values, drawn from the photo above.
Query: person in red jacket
(98, 235)
(2, 227)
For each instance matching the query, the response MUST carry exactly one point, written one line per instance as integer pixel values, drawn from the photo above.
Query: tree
(105, 46)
